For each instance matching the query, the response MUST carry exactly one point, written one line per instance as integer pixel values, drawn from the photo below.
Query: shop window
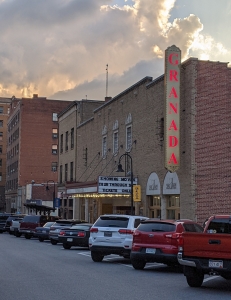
(154, 207)
(173, 207)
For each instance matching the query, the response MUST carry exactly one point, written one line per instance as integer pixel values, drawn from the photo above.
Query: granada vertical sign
(172, 108)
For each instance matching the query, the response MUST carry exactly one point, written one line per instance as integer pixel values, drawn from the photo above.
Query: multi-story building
(192, 182)
(76, 113)
(4, 113)
(32, 152)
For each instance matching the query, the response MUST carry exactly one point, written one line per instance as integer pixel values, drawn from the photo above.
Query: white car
(113, 234)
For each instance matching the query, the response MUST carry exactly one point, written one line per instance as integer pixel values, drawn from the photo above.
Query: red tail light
(62, 233)
(125, 231)
(173, 235)
(81, 234)
(94, 229)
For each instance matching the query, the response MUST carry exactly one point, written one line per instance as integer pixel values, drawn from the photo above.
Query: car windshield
(48, 224)
(112, 221)
(81, 227)
(157, 226)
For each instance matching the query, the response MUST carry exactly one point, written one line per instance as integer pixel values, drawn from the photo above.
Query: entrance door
(107, 209)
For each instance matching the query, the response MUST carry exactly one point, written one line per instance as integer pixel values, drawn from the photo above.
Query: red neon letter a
(173, 159)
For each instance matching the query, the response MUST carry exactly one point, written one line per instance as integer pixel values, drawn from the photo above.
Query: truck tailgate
(207, 245)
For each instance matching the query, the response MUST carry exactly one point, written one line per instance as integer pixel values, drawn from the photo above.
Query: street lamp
(120, 169)
(47, 188)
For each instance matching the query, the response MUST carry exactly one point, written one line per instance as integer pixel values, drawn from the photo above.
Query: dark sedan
(77, 235)
(43, 232)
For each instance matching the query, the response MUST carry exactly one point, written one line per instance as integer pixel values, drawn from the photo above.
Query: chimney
(35, 95)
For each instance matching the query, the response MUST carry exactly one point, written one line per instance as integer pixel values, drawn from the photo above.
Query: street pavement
(31, 270)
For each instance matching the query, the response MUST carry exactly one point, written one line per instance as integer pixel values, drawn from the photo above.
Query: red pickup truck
(208, 252)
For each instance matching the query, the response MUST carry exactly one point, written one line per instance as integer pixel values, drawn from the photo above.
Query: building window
(54, 149)
(61, 143)
(115, 142)
(1, 136)
(128, 138)
(71, 171)
(154, 207)
(61, 174)
(71, 202)
(104, 146)
(54, 133)
(1, 123)
(66, 141)
(0, 162)
(0, 176)
(54, 117)
(1, 109)
(173, 207)
(54, 166)
(0, 149)
(66, 170)
(72, 138)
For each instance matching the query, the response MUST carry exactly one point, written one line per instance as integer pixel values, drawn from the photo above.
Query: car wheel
(53, 242)
(196, 280)
(17, 234)
(41, 239)
(138, 264)
(96, 257)
(10, 232)
(66, 246)
(27, 236)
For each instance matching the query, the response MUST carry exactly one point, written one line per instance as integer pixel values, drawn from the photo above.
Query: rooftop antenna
(106, 79)
(86, 97)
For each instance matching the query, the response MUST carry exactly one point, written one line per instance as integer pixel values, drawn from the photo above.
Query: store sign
(36, 201)
(115, 185)
(172, 108)
(136, 193)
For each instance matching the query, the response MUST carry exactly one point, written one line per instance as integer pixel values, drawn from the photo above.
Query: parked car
(42, 233)
(30, 222)
(77, 235)
(58, 226)
(3, 218)
(15, 226)
(112, 234)
(157, 241)
(9, 222)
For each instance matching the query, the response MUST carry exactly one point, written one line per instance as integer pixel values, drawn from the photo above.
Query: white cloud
(49, 46)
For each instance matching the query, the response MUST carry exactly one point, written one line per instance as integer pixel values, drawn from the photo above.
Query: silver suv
(113, 234)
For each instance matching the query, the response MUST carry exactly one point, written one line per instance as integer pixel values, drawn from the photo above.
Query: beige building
(133, 124)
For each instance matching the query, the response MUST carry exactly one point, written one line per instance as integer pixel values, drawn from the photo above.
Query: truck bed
(207, 245)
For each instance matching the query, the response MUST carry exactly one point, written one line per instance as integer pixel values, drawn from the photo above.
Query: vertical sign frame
(172, 108)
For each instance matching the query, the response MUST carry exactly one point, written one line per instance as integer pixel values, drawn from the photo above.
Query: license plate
(69, 240)
(107, 233)
(216, 264)
(151, 250)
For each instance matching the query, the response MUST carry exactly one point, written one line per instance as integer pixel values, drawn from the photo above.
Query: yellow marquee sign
(136, 193)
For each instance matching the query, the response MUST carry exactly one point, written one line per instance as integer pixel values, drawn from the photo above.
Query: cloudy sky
(59, 49)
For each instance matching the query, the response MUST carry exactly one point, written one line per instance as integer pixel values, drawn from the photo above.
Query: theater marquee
(172, 108)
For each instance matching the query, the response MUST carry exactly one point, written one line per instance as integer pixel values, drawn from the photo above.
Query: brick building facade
(133, 122)
(32, 152)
